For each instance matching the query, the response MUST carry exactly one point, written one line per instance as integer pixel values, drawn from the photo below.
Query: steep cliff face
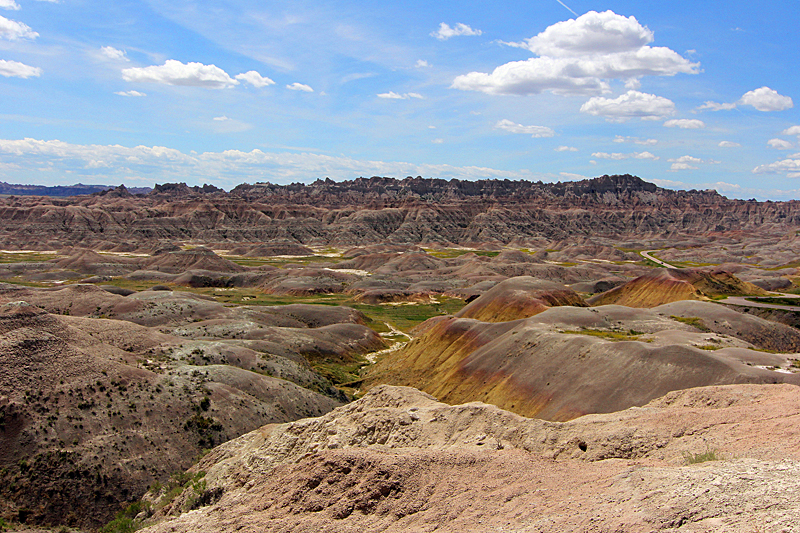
(386, 210)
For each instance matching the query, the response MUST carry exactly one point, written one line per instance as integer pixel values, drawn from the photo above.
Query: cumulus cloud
(15, 69)
(445, 31)
(13, 30)
(566, 149)
(763, 99)
(685, 123)
(635, 140)
(255, 79)
(112, 53)
(533, 131)
(791, 167)
(687, 162)
(766, 99)
(158, 163)
(438, 141)
(9, 4)
(729, 144)
(130, 93)
(421, 63)
(391, 95)
(632, 104)
(589, 34)
(300, 87)
(579, 56)
(794, 130)
(780, 144)
(616, 156)
(173, 72)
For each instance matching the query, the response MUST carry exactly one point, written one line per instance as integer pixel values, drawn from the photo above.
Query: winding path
(646, 255)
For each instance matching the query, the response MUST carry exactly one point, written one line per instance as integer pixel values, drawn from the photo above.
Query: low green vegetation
(26, 257)
(693, 321)
(283, 261)
(449, 253)
(630, 335)
(702, 457)
(794, 302)
(126, 521)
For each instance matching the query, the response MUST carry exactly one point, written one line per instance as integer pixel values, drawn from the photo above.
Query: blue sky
(684, 94)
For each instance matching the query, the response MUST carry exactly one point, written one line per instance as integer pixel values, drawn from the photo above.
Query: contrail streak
(565, 5)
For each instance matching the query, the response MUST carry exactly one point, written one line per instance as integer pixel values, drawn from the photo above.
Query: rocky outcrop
(397, 460)
(386, 210)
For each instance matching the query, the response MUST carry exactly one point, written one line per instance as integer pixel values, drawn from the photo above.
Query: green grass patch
(403, 316)
(630, 335)
(794, 302)
(693, 321)
(708, 347)
(701, 457)
(450, 253)
(282, 262)
(25, 257)
(19, 281)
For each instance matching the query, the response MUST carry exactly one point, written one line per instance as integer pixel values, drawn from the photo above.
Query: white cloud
(391, 95)
(578, 56)
(112, 53)
(221, 119)
(632, 104)
(130, 93)
(9, 4)
(438, 141)
(533, 131)
(421, 63)
(780, 144)
(635, 140)
(13, 30)
(633, 84)
(173, 72)
(686, 159)
(15, 69)
(300, 87)
(566, 149)
(687, 162)
(729, 144)
(714, 106)
(616, 156)
(766, 99)
(572, 176)
(445, 31)
(162, 164)
(685, 123)
(794, 130)
(590, 34)
(789, 166)
(255, 79)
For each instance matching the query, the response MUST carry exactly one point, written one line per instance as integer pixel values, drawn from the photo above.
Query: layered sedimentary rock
(386, 210)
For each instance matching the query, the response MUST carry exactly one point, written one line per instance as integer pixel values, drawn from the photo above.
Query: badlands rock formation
(397, 460)
(606, 211)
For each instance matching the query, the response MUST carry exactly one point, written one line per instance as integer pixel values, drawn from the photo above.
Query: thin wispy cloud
(533, 131)
(391, 95)
(446, 32)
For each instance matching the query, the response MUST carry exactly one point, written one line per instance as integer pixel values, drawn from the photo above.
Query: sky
(688, 95)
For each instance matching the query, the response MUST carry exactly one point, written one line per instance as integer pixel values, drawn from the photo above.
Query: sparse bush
(702, 457)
